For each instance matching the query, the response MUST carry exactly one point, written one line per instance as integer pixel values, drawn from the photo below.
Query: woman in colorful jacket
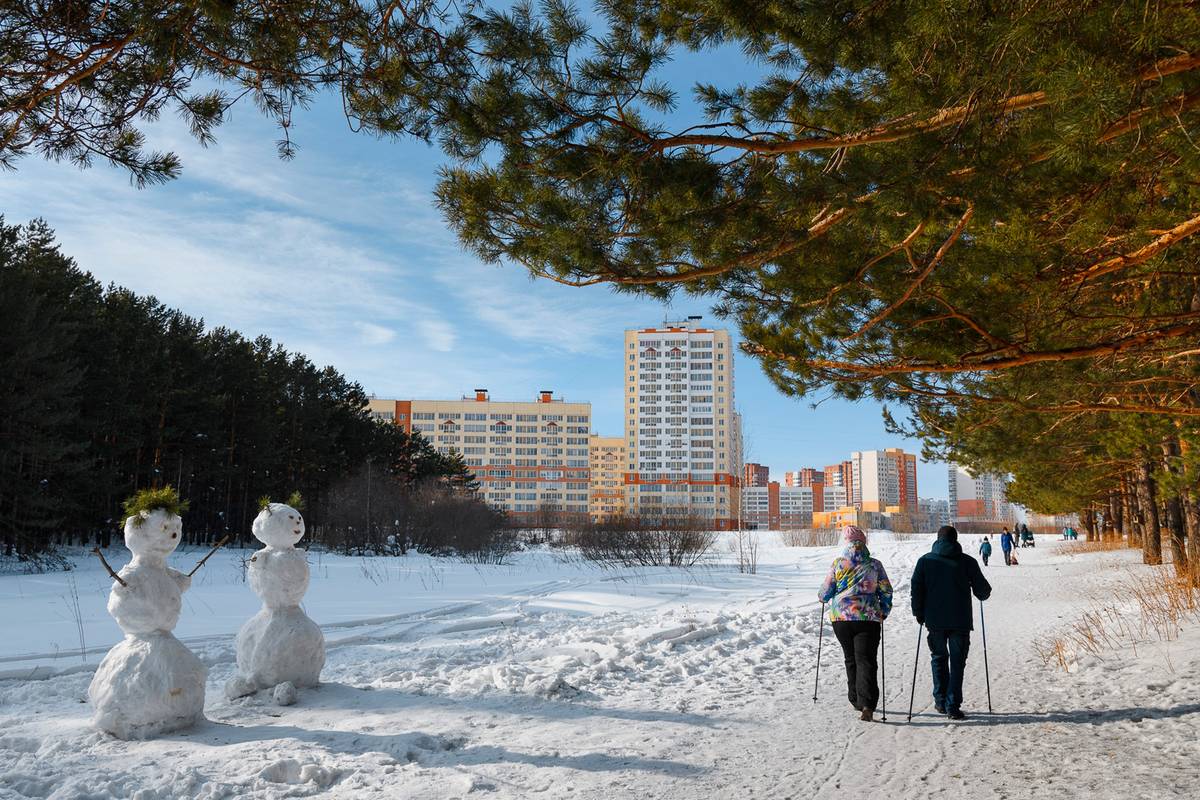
(860, 598)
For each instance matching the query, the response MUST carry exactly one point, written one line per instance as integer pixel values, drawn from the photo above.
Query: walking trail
(551, 678)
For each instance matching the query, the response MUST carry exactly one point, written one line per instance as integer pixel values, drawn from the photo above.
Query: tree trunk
(1110, 518)
(1089, 523)
(1132, 514)
(1151, 533)
(1191, 515)
(1174, 507)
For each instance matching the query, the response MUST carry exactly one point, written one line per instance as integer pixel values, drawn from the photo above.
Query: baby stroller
(1026, 538)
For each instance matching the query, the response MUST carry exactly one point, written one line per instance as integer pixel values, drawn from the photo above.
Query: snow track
(560, 680)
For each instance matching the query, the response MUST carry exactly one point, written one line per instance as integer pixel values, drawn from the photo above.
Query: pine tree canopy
(80, 79)
(911, 200)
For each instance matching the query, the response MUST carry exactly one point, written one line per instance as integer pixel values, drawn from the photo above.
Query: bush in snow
(630, 541)
(374, 514)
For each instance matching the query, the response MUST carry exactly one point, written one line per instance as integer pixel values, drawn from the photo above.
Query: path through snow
(551, 679)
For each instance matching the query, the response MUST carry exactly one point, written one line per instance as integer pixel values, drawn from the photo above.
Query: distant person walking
(1006, 546)
(861, 596)
(985, 550)
(942, 585)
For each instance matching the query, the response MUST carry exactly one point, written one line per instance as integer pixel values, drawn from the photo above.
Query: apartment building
(841, 475)
(883, 480)
(805, 476)
(607, 459)
(529, 457)
(832, 498)
(756, 475)
(936, 513)
(979, 498)
(683, 437)
(774, 507)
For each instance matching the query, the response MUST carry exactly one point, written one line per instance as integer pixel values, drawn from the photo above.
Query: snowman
(149, 683)
(278, 648)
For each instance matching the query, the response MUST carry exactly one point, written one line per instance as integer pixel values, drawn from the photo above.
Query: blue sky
(341, 255)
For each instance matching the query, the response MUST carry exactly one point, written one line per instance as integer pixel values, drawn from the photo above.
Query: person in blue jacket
(985, 550)
(1006, 545)
(942, 585)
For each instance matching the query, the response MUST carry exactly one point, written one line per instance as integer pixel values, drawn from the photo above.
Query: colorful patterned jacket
(859, 587)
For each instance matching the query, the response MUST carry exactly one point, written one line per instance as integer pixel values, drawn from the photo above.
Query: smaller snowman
(149, 683)
(278, 648)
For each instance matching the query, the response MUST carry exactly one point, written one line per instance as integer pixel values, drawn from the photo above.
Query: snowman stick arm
(103, 561)
(200, 563)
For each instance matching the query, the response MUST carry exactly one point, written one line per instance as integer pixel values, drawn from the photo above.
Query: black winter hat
(948, 532)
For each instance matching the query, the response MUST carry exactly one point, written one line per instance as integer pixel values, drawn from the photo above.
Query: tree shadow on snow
(429, 750)
(341, 696)
(1078, 717)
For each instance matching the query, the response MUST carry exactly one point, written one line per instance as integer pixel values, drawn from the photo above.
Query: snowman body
(149, 683)
(279, 644)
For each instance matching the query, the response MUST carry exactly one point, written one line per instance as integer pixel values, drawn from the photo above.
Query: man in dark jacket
(1006, 545)
(942, 584)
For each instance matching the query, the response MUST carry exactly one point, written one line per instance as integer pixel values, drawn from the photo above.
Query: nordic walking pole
(820, 636)
(883, 673)
(916, 660)
(986, 676)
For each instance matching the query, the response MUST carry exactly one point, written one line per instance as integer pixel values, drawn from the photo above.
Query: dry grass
(820, 537)
(1141, 608)
(1099, 546)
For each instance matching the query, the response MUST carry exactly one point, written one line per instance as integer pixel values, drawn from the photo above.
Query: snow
(280, 644)
(550, 677)
(148, 683)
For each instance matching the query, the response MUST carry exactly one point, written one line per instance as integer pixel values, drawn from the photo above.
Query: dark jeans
(860, 644)
(948, 656)
(1007, 558)
(985, 558)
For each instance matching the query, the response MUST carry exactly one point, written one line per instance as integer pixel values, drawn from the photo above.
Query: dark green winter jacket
(942, 584)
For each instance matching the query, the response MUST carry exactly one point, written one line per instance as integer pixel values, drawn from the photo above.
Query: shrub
(632, 542)
(384, 516)
(816, 537)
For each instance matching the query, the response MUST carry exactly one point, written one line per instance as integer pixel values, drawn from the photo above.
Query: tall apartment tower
(607, 456)
(682, 435)
(756, 475)
(884, 479)
(841, 476)
(529, 457)
(978, 497)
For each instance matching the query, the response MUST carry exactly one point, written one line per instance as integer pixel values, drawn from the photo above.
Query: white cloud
(372, 334)
(438, 334)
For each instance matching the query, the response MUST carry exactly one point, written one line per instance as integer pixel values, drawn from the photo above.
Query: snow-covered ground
(550, 677)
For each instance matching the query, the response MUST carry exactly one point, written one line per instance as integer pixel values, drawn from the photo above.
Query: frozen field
(551, 678)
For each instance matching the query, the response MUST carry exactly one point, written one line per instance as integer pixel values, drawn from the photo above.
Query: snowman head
(153, 534)
(278, 525)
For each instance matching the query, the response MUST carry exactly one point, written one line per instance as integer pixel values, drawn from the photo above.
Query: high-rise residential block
(774, 507)
(529, 457)
(884, 479)
(756, 475)
(936, 513)
(607, 460)
(978, 497)
(841, 475)
(682, 435)
(805, 476)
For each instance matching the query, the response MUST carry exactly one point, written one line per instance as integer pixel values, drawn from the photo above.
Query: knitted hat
(853, 533)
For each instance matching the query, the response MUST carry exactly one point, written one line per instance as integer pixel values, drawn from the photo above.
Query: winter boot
(867, 715)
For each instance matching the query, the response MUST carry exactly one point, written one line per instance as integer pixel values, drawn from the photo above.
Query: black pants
(860, 644)
(948, 656)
